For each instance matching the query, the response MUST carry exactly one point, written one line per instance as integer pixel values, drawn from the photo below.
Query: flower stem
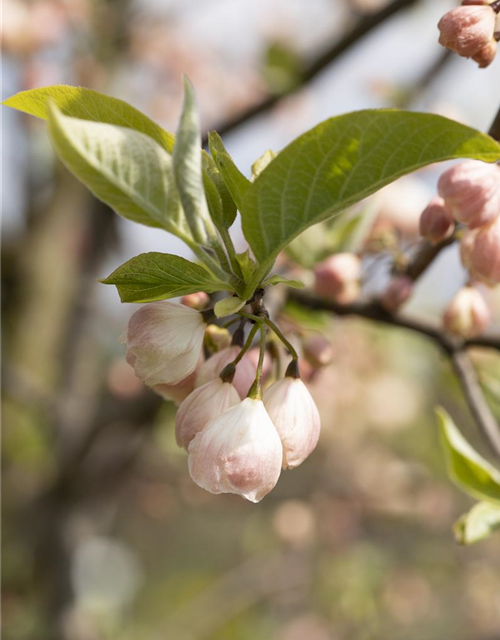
(231, 252)
(247, 344)
(277, 331)
(256, 390)
(227, 373)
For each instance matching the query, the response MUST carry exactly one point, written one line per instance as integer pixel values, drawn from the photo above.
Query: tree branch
(427, 252)
(494, 131)
(314, 68)
(478, 404)
(454, 348)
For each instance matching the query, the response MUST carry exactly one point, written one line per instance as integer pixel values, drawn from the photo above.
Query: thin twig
(455, 349)
(373, 310)
(478, 405)
(362, 28)
(494, 131)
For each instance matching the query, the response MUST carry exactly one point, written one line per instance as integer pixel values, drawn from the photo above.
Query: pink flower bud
(471, 190)
(467, 315)
(485, 56)
(318, 351)
(238, 452)
(197, 300)
(397, 293)
(176, 392)
(245, 369)
(436, 221)
(201, 407)
(485, 255)
(468, 30)
(338, 276)
(466, 247)
(164, 342)
(296, 418)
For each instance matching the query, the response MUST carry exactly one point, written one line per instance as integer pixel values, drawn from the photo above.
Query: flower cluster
(237, 437)
(469, 194)
(472, 30)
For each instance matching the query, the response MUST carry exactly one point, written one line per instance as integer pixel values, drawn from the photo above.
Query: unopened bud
(485, 254)
(295, 416)
(468, 31)
(338, 276)
(201, 406)
(471, 190)
(197, 300)
(238, 452)
(176, 393)
(164, 342)
(466, 247)
(436, 221)
(467, 315)
(398, 291)
(485, 56)
(318, 351)
(212, 368)
(217, 338)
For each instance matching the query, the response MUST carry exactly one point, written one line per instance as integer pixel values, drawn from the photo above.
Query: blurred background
(104, 534)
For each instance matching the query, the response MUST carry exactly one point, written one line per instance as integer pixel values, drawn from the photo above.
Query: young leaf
(234, 179)
(228, 306)
(479, 523)
(188, 170)
(86, 104)
(276, 279)
(342, 161)
(466, 468)
(223, 208)
(247, 265)
(122, 167)
(159, 276)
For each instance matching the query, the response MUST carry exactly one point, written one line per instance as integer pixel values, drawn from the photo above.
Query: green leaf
(479, 523)
(228, 306)
(220, 202)
(248, 266)
(276, 279)
(122, 167)
(466, 468)
(86, 104)
(342, 161)
(235, 181)
(188, 170)
(159, 276)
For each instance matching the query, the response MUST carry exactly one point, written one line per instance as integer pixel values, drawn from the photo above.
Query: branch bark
(455, 349)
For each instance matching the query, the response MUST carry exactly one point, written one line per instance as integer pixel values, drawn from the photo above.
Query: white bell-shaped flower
(296, 418)
(164, 342)
(238, 452)
(201, 407)
(245, 370)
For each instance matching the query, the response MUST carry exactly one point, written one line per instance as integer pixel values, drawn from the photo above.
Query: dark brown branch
(455, 349)
(373, 310)
(494, 131)
(362, 28)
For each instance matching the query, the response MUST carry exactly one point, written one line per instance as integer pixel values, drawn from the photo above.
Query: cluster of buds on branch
(239, 434)
(469, 195)
(472, 30)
